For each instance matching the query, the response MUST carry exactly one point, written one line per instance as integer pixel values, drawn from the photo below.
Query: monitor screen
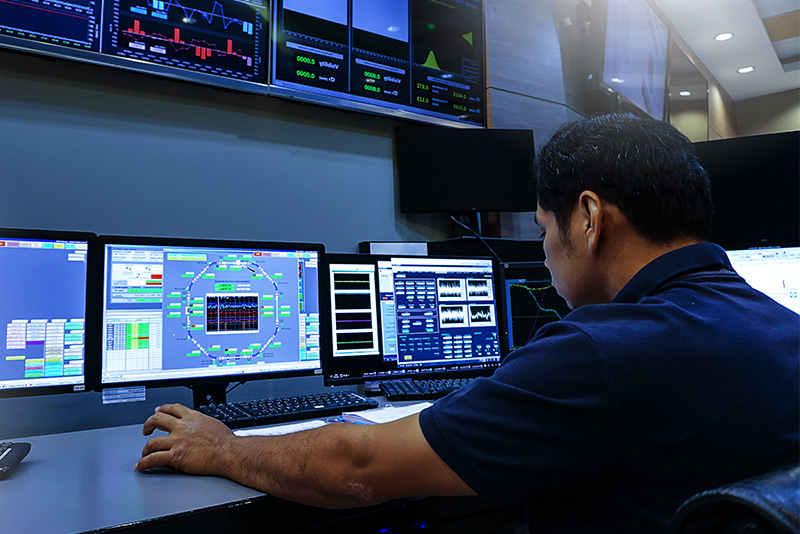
(219, 42)
(530, 302)
(409, 58)
(455, 170)
(773, 271)
(409, 317)
(755, 188)
(179, 311)
(44, 279)
(636, 51)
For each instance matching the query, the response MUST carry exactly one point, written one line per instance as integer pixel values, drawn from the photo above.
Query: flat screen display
(415, 58)
(451, 170)
(636, 51)
(531, 301)
(184, 311)
(414, 317)
(217, 42)
(755, 189)
(44, 280)
(222, 37)
(773, 271)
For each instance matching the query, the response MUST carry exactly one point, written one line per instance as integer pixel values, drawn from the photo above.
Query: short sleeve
(547, 419)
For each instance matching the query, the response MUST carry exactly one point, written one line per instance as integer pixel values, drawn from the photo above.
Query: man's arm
(339, 465)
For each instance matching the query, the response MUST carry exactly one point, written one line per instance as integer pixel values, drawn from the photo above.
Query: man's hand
(194, 445)
(339, 465)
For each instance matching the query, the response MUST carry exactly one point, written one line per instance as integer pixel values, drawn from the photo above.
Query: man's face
(570, 264)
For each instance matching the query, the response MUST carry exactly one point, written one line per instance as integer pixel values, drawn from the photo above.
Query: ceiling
(766, 36)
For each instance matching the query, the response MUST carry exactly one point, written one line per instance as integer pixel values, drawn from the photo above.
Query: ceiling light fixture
(724, 36)
(745, 70)
(685, 93)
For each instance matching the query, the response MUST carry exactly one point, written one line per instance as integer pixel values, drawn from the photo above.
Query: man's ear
(590, 208)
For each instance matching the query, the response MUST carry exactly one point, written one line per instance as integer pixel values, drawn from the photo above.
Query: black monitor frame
(373, 368)
(205, 388)
(90, 337)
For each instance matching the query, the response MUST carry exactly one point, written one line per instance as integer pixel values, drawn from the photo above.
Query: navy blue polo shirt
(610, 418)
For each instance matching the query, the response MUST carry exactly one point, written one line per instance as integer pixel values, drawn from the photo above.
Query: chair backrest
(766, 504)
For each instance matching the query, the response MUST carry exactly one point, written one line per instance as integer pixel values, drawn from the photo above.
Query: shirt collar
(674, 263)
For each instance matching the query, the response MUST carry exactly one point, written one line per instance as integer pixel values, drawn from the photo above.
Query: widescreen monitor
(216, 42)
(203, 313)
(530, 302)
(449, 170)
(419, 59)
(635, 58)
(755, 189)
(44, 280)
(409, 317)
(773, 271)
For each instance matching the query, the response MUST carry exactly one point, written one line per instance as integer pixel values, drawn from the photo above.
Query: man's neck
(627, 256)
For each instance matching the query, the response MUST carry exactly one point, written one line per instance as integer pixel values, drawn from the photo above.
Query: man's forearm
(336, 466)
(324, 467)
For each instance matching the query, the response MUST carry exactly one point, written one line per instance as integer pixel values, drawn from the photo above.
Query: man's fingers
(157, 444)
(156, 459)
(161, 420)
(175, 410)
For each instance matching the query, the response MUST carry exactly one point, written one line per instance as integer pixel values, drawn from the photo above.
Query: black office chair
(767, 504)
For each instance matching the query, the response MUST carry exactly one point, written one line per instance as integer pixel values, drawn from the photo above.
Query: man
(670, 376)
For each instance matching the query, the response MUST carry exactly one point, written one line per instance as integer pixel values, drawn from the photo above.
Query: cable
(478, 236)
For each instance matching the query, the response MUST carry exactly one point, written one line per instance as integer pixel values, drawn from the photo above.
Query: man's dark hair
(646, 168)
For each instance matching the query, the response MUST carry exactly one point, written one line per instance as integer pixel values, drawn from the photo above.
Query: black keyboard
(11, 454)
(418, 389)
(283, 409)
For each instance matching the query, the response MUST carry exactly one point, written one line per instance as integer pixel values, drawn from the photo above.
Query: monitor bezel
(211, 383)
(356, 375)
(90, 336)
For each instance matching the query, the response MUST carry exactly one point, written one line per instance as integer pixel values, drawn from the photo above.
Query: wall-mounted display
(409, 58)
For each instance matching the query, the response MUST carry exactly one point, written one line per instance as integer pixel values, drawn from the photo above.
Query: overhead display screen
(222, 37)
(404, 57)
(70, 23)
(216, 42)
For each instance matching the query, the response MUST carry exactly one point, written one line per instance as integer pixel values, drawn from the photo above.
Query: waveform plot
(479, 289)
(482, 315)
(451, 289)
(452, 316)
(532, 304)
(225, 37)
(351, 341)
(200, 48)
(71, 24)
(231, 313)
(352, 282)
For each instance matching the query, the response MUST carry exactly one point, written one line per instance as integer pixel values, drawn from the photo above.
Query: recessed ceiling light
(745, 70)
(723, 36)
(685, 93)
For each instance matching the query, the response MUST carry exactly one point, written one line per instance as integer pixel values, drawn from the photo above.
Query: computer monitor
(44, 278)
(773, 271)
(409, 317)
(204, 313)
(530, 302)
(448, 170)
